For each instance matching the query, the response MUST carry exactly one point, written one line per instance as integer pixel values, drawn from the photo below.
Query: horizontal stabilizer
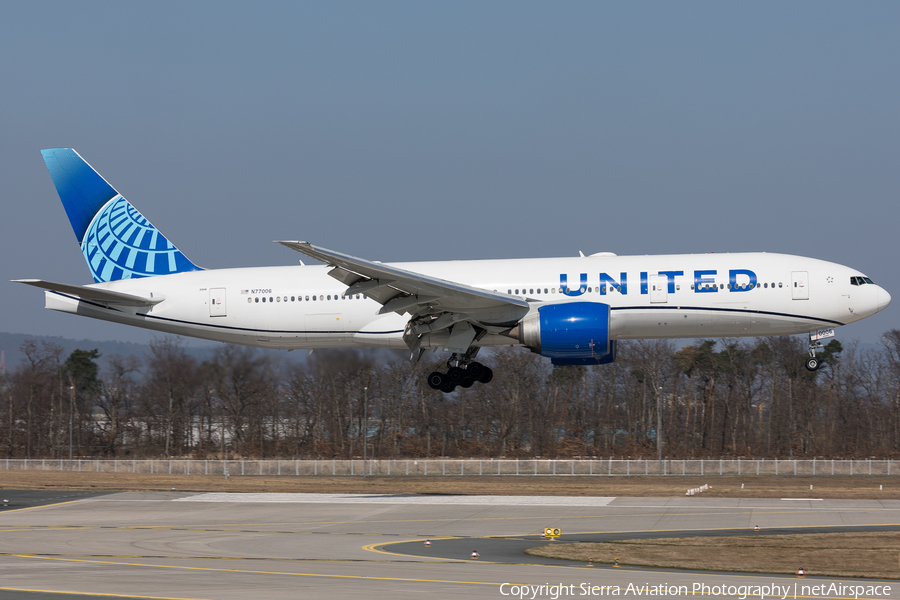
(91, 293)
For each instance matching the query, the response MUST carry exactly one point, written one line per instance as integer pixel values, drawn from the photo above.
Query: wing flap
(91, 293)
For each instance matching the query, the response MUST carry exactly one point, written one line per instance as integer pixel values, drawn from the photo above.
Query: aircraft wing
(399, 290)
(92, 294)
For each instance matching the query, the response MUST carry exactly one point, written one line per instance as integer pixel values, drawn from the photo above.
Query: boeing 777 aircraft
(571, 310)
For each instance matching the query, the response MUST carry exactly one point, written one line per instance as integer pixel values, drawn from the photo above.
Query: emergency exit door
(217, 306)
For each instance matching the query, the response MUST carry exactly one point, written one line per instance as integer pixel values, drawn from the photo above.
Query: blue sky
(424, 130)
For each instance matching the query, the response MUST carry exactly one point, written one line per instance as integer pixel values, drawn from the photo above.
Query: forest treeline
(736, 397)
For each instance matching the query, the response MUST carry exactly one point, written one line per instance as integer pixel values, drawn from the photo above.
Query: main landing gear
(459, 373)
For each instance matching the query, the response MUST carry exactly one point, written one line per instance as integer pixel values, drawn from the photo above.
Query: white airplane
(572, 310)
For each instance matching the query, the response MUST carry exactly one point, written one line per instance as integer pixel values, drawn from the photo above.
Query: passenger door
(800, 285)
(217, 307)
(659, 289)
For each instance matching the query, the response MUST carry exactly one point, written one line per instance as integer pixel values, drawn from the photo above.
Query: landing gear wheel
(448, 388)
(437, 381)
(466, 382)
(475, 370)
(486, 376)
(456, 375)
(812, 364)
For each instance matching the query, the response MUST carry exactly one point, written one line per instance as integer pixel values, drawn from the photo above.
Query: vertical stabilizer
(116, 240)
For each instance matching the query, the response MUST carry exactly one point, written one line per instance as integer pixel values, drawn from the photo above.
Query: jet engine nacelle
(570, 333)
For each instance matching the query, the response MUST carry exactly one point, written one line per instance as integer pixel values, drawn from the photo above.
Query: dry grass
(722, 487)
(829, 554)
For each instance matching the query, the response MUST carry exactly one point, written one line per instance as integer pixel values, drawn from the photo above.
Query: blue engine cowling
(570, 333)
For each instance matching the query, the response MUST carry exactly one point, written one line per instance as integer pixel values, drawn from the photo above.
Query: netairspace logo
(553, 591)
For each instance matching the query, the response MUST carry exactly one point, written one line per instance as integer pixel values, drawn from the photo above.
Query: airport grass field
(720, 487)
(820, 554)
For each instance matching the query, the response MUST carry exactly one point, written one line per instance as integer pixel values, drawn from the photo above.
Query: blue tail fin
(116, 240)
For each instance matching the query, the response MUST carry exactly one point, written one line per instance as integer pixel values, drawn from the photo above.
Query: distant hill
(11, 342)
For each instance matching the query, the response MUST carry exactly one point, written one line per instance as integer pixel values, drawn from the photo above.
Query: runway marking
(405, 579)
(405, 499)
(254, 572)
(248, 558)
(40, 506)
(9, 589)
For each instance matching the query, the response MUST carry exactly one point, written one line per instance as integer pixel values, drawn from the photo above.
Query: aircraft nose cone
(882, 299)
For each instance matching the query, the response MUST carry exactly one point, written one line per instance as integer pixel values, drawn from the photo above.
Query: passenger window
(509, 292)
(692, 286)
(278, 299)
(314, 298)
(292, 298)
(531, 291)
(249, 300)
(264, 299)
(677, 288)
(779, 284)
(545, 290)
(517, 291)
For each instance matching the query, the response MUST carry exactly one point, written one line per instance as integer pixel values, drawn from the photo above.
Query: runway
(273, 546)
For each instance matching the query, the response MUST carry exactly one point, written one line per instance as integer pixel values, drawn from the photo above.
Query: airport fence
(452, 467)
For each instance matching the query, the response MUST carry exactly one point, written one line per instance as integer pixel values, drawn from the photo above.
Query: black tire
(456, 375)
(813, 364)
(475, 370)
(448, 389)
(467, 381)
(437, 381)
(486, 376)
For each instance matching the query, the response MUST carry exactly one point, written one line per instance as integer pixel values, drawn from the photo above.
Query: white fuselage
(666, 296)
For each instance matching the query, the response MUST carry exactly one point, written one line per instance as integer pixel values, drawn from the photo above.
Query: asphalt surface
(289, 546)
(19, 499)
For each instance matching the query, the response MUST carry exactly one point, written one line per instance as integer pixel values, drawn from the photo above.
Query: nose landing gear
(813, 363)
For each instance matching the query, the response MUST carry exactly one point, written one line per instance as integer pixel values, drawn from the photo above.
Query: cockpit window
(860, 281)
(854, 281)
(867, 280)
